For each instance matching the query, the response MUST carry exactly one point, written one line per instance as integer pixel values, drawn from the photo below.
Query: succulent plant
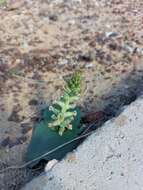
(63, 109)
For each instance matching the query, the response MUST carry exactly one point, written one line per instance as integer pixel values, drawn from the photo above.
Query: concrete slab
(111, 158)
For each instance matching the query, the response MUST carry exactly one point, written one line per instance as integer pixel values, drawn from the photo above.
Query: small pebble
(111, 34)
(50, 165)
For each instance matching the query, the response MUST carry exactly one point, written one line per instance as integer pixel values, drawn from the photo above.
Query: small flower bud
(50, 108)
(53, 116)
(50, 125)
(54, 102)
(70, 127)
(74, 113)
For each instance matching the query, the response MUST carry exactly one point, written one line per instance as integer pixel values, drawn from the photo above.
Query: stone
(14, 116)
(111, 34)
(93, 117)
(53, 17)
(12, 5)
(11, 141)
(26, 127)
(33, 102)
(50, 165)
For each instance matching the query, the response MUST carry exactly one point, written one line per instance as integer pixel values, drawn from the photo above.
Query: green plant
(63, 113)
(53, 130)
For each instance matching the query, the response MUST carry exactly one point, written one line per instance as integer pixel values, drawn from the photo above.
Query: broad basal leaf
(45, 139)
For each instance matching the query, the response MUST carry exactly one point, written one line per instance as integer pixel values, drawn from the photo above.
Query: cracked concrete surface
(111, 158)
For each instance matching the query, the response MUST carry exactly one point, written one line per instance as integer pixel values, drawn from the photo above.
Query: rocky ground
(42, 41)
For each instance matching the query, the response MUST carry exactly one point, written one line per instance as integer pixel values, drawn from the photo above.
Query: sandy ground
(43, 41)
